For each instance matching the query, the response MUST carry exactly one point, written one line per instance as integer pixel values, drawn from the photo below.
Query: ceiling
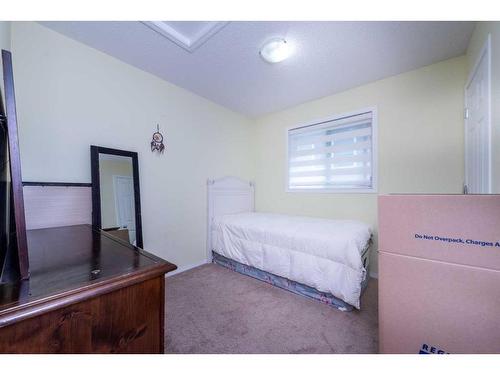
(220, 60)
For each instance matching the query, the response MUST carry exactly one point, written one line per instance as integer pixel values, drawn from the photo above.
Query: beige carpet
(211, 309)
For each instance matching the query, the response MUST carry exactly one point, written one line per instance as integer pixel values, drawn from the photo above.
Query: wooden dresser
(88, 293)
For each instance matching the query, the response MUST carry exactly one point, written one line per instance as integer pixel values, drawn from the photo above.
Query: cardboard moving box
(439, 273)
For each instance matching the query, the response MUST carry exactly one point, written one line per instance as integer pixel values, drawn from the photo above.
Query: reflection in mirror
(117, 196)
(115, 193)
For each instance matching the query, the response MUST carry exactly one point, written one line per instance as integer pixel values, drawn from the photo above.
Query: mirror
(115, 193)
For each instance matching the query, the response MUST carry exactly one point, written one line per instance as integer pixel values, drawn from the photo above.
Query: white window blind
(332, 155)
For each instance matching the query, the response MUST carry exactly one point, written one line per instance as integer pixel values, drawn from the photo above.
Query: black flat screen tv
(4, 193)
(14, 264)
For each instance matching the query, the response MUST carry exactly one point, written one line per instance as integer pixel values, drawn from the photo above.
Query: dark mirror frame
(96, 187)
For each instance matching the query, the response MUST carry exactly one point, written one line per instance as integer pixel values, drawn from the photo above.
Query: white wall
(420, 150)
(70, 96)
(4, 44)
(476, 43)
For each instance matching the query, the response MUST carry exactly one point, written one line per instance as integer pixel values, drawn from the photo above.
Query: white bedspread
(324, 254)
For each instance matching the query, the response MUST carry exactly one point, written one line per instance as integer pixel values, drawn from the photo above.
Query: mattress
(321, 253)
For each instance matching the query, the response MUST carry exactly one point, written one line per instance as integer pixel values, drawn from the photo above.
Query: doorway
(478, 125)
(124, 204)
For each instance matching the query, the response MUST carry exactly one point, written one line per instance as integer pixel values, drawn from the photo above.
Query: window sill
(333, 191)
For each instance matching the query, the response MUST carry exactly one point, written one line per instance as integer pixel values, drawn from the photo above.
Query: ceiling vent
(187, 34)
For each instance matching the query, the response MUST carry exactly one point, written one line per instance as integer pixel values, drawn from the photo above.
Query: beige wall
(108, 169)
(476, 44)
(71, 96)
(420, 148)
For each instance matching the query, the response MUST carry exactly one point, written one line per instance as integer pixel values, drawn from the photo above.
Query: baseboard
(374, 275)
(186, 268)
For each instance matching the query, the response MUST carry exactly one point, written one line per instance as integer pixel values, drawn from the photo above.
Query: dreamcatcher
(157, 142)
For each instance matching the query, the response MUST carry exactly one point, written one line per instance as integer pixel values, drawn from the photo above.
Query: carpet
(211, 309)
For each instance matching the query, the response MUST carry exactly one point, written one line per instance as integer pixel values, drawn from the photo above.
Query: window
(337, 155)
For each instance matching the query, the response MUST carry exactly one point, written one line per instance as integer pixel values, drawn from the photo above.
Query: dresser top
(76, 259)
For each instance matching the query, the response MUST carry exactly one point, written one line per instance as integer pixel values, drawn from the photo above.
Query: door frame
(485, 52)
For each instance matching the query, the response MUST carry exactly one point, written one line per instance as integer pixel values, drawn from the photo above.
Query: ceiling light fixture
(276, 50)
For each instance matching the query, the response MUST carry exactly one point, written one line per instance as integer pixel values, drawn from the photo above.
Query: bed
(323, 259)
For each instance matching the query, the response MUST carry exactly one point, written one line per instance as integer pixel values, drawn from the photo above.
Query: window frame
(333, 190)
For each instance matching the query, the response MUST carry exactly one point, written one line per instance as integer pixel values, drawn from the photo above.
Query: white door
(477, 126)
(124, 203)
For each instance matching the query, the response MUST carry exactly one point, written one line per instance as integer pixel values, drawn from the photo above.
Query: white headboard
(227, 195)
